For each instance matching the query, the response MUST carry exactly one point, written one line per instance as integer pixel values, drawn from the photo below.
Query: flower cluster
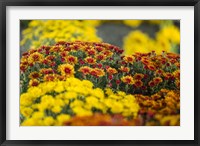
(130, 23)
(68, 82)
(167, 39)
(47, 32)
(103, 65)
(161, 108)
(84, 60)
(54, 103)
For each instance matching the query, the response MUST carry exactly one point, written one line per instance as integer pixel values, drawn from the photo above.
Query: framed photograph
(99, 72)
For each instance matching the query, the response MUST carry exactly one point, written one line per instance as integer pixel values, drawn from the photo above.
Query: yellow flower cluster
(137, 41)
(136, 23)
(132, 23)
(47, 32)
(53, 103)
(170, 33)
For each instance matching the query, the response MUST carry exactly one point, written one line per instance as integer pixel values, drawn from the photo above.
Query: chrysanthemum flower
(155, 96)
(138, 76)
(157, 80)
(100, 57)
(128, 80)
(151, 84)
(35, 57)
(46, 71)
(151, 67)
(33, 82)
(145, 61)
(138, 83)
(71, 59)
(111, 71)
(129, 59)
(46, 61)
(97, 72)
(100, 49)
(168, 75)
(55, 49)
(108, 53)
(61, 78)
(173, 56)
(23, 67)
(49, 77)
(159, 72)
(64, 53)
(34, 75)
(50, 57)
(124, 69)
(91, 52)
(90, 60)
(66, 70)
(85, 70)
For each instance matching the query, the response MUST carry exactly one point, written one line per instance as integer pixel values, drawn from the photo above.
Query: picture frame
(3, 64)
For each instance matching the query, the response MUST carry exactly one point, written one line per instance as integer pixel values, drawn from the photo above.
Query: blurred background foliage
(131, 35)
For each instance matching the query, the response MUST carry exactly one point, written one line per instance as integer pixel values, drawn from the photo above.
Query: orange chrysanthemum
(151, 67)
(127, 80)
(46, 71)
(168, 75)
(157, 80)
(138, 83)
(124, 69)
(97, 72)
(111, 71)
(145, 61)
(129, 59)
(138, 76)
(108, 53)
(85, 70)
(49, 77)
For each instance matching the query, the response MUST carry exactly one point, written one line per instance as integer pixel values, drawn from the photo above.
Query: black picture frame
(5, 3)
